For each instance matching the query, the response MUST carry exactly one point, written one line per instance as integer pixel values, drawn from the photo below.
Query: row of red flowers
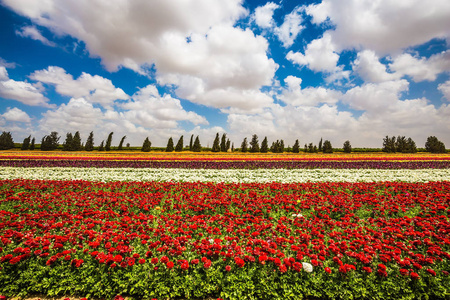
(392, 231)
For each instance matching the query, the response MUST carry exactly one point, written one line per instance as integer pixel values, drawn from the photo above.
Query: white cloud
(16, 115)
(263, 15)
(369, 67)
(294, 95)
(384, 26)
(291, 28)
(421, 69)
(33, 33)
(95, 89)
(22, 91)
(150, 110)
(320, 56)
(445, 89)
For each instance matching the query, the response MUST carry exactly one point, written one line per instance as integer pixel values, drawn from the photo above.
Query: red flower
(169, 264)
(415, 276)
(142, 261)
(228, 268)
(164, 259)
(195, 261)
(404, 272)
(328, 270)
(283, 268)
(154, 260)
(118, 258)
(432, 272)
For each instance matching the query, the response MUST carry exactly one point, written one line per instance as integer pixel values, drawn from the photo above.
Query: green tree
(311, 148)
(347, 147)
(32, 144)
(223, 143)
(26, 143)
(216, 144)
(191, 143)
(197, 146)
(434, 145)
(89, 146)
(109, 141)
(67, 145)
(76, 142)
(50, 142)
(410, 146)
(244, 145)
(121, 143)
(264, 145)
(327, 148)
(169, 147)
(102, 146)
(281, 148)
(254, 144)
(320, 145)
(227, 145)
(389, 144)
(179, 146)
(146, 146)
(6, 141)
(400, 144)
(296, 147)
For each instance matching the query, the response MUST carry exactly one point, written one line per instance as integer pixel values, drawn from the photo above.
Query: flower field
(230, 233)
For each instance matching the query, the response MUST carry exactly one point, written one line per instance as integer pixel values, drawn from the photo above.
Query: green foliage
(254, 144)
(6, 141)
(244, 145)
(108, 142)
(223, 143)
(389, 144)
(102, 146)
(169, 147)
(216, 144)
(264, 145)
(320, 145)
(277, 147)
(296, 147)
(434, 145)
(32, 146)
(67, 145)
(197, 146)
(89, 146)
(121, 143)
(179, 146)
(327, 148)
(26, 143)
(50, 142)
(146, 146)
(347, 147)
(191, 143)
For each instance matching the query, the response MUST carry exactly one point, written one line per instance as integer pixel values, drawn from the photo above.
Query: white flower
(307, 267)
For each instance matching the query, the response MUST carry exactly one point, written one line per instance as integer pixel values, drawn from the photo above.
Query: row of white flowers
(228, 175)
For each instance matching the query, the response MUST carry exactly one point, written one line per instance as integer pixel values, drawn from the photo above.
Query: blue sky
(340, 70)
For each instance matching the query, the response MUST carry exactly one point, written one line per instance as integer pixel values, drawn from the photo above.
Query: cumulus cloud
(95, 89)
(263, 15)
(294, 95)
(151, 110)
(33, 33)
(16, 115)
(445, 89)
(22, 91)
(386, 27)
(421, 69)
(369, 67)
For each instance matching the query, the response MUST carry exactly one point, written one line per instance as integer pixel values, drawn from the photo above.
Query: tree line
(222, 143)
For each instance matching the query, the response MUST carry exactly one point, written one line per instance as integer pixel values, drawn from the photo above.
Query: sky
(340, 70)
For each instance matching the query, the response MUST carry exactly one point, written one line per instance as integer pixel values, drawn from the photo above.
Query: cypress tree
(191, 143)
(227, 146)
(264, 145)
(32, 144)
(109, 141)
(223, 143)
(89, 146)
(179, 146)
(121, 143)
(296, 147)
(26, 143)
(50, 142)
(101, 147)
(197, 146)
(76, 142)
(216, 144)
(254, 144)
(146, 146)
(67, 145)
(434, 145)
(281, 149)
(169, 147)
(320, 144)
(244, 145)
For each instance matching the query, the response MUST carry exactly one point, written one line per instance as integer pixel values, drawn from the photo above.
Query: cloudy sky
(341, 70)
